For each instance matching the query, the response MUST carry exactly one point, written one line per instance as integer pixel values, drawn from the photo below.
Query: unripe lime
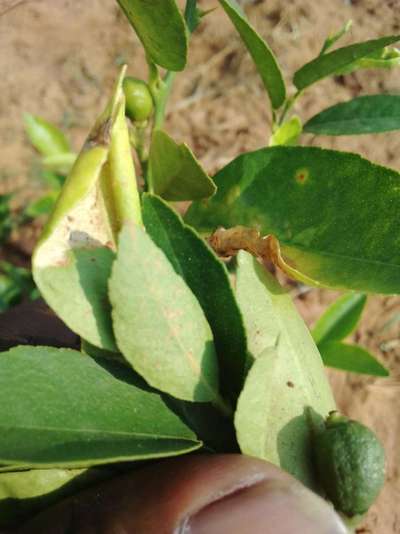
(139, 102)
(351, 464)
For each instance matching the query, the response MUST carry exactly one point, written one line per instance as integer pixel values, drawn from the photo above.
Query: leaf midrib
(95, 431)
(381, 118)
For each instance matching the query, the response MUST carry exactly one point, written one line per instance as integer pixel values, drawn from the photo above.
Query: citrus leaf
(320, 205)
(261, 325)
(288, 133)
(351, 358)
(61, 408)
(45, 137)
(330, 63)
(286, 380)
(52, 179)
(42, 206)
(60, 163)
(191, 258)
(175, 173)
(193, 15)
(385, 58)
(158, 323)
(362, 115)
(161, 29)
(73, 258)
(6, 221)
(262, 55)
(340, 319)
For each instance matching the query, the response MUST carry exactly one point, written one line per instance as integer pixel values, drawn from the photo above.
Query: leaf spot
(302, 176)
(290, 384)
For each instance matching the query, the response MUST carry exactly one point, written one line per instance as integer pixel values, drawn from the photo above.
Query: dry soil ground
(58, 59)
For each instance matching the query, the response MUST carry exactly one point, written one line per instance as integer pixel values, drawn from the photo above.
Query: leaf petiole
(289, 103)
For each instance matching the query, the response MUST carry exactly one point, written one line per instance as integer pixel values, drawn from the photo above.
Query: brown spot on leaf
(100, 135)
(290, 384)
(302, 176)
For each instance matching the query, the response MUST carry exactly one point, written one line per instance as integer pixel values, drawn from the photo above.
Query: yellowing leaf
(73, 258)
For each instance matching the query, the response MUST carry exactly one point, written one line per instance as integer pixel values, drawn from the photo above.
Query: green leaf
(42, 206)
(53, 180)
(6, 222)
(61, 408)
(72, 260)
(192, 15)
(340, 319)
(332, 39)
(335, 214)
(260, 321)
(330, 63)
(24, 493)
(262, 55)
(175, 173)
(362, 115)
(161, 29)
(288, 133)
(350, 358)
(191, 258)
(158, 323)
(385, 58)
(60, 163)
(77, 290)
(45, 137)
(287, 378)
(15, 284)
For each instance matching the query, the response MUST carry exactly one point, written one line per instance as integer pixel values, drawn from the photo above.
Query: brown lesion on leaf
(302, 175)
(228, 243)
(290, 384)
(100, 135)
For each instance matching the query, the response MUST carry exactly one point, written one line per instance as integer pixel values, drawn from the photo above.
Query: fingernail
(267, 507)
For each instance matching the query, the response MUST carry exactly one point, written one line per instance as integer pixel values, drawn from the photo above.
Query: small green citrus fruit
(139, 102)
(351, 464)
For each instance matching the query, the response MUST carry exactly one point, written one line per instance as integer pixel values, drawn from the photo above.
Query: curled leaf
(72, 260)
(341, 58)
(385, 58)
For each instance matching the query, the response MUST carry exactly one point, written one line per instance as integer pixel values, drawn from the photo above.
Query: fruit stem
(334, 418)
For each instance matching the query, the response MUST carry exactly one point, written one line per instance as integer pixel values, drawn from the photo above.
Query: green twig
(288, 106)
(161, 98)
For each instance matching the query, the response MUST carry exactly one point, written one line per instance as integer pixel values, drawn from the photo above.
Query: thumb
(194, 495)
